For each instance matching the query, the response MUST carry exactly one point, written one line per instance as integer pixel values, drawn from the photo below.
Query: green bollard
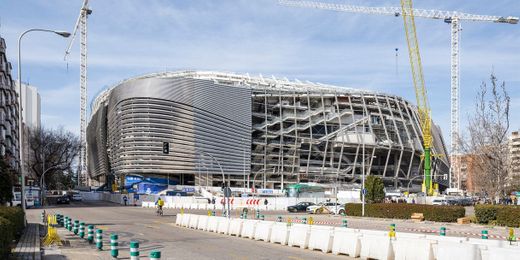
(279, 218)
(344, 223)
(99, 239)
(485, 234)
(213, 213)
(262, 217)
(76, 227)
(304, 220)
(82, 229)
(257, 214)
(90, 234)
(443, 231)
(114, 251)
(155, 255)
(134, 250)
(70, 225)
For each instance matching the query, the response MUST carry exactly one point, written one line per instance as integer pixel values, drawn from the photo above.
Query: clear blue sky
(132, 37)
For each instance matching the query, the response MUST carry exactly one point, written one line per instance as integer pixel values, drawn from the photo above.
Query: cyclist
(160, 204)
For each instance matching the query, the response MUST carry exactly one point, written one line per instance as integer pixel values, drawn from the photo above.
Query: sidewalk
(29, 245)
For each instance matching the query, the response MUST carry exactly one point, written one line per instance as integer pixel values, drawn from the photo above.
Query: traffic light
(165, 148)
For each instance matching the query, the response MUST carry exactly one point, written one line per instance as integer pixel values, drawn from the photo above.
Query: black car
(63, 200)
(302, 206)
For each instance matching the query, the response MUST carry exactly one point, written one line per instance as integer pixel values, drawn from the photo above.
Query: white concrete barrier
(223, 225)
(194, 221)
(280, 233)
(500, 253)
(213, 224)
(399, 235)
(299, 235)
(235, 227)
(248, 228)
(186, 220)
(203, 222)
(376, 246)
(413, 248)
(488, 242)
(457, 251)
(346, 241)
(321, 238)
(178, 219)
(263, 230)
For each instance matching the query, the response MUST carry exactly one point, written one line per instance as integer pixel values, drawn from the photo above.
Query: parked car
(323, 207)
(300, 207)
(439, 201)
(63, 200)
(77, 197)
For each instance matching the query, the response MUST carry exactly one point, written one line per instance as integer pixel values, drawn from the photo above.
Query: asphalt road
(154, 232)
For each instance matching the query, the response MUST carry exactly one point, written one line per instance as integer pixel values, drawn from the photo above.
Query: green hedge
(405, 211)
(11, 226)
(500, 214)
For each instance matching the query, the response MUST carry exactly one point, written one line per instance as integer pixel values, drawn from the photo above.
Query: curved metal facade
(268, 131)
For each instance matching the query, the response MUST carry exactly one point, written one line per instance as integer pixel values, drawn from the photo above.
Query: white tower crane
(450, 17)
(81, 24)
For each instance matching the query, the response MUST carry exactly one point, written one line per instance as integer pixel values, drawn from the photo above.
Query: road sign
(227, 192)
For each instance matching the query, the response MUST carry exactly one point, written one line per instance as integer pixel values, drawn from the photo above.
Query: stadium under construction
(198, 127)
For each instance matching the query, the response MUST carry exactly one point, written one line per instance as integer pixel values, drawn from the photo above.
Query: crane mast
(451, 17)
(81, 24)
(423, 107)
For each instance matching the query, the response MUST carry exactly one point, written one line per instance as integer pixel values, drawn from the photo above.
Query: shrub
(498, 215)
(6, 231)
(486, 213)
(508, 216)
(16, 216)
(405, 211)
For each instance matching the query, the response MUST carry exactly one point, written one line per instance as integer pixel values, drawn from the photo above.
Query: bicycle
(159, 211)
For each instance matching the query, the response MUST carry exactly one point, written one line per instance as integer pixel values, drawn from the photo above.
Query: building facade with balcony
(267, 131)
(9, 148)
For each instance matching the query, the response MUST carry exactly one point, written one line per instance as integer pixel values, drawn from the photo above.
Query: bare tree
(53, 151)
(488, 141)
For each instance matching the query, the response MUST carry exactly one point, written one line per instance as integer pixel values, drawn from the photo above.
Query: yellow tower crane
(423, 107)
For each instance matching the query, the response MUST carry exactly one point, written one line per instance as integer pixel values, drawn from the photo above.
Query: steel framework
(451, 17)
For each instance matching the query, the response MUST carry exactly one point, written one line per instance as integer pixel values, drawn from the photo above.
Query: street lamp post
(20, 108)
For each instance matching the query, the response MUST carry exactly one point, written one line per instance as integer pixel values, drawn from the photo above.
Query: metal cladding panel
(97, 158)
(197, 117)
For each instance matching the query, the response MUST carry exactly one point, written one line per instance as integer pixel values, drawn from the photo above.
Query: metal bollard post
(43, 216)
(114, 251)
(443, 231)
(99, 239)
(90, 234)
(304, 220)
(82, 229)
(484, 234)
(279, 218)
(155, 255)
(134, 250)
(344, 223)
(76, 227)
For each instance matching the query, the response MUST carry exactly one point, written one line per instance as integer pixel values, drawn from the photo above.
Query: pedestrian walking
(265, 203)
(125, 199)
